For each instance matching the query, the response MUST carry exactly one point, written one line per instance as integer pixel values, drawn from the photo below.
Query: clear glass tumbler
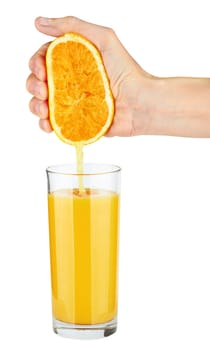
(84, 239)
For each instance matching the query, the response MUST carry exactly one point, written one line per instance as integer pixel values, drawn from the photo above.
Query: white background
(164, 295)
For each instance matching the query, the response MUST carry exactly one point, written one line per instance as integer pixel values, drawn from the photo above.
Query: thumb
(60, 26)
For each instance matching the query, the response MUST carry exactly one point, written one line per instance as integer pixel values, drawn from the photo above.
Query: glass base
(78, 331)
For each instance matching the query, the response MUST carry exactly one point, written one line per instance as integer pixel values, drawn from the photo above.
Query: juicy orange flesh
(78, 92)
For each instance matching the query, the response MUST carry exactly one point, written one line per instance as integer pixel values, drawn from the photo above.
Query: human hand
(128, 81)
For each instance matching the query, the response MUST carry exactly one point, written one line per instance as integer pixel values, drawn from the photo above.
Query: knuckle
(72, 20)
(32, 106)
(110, 35)
(110, 31)
(41, 124)
(28, 83)
(32, 62)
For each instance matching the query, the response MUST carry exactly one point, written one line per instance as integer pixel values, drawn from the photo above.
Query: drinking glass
(84, 240)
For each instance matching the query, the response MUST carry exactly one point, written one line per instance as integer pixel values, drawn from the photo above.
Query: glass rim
(57, 169)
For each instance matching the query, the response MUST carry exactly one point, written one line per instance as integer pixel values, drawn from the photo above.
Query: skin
(144, 104)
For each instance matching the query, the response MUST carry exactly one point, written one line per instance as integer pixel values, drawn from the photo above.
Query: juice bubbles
(84, 253)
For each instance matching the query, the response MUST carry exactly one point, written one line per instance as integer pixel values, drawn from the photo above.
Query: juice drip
(80, 168)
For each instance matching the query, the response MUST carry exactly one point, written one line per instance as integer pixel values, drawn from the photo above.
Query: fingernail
(44, 21)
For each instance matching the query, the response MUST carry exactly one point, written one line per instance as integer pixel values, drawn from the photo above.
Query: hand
(129, 83)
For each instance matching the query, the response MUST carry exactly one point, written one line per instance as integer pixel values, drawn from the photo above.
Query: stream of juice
(80, 167)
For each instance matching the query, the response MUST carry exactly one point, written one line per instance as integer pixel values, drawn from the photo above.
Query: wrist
(174, 106)
(148, 105)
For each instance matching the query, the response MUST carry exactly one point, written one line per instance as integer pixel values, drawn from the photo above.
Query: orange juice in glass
(84, 240)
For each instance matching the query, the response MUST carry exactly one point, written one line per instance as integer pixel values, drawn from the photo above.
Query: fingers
(36, 84)
(36, 87)
(60, 26)
(39, 108)
(37, 63)
(45, 125)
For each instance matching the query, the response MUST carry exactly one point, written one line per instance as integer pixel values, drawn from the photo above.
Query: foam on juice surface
(86, 193)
